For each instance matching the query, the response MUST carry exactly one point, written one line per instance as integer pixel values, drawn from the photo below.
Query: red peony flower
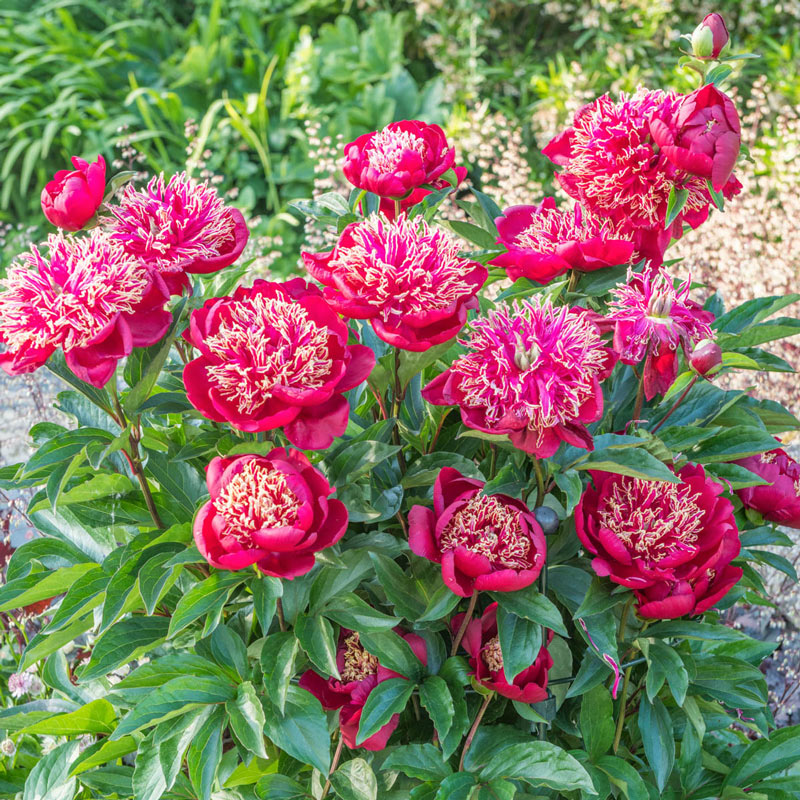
(616, 170)
(533, 372)
(483, 542)
(780, 500)
(398, 159)
(486, 660)
(71, 199)
(710, 38)
(275, 355)
(179, 227)
(360, 673)
(672, 543)
(704, 136)
(403, 276)
(652, 320)
(272, 511)
(544, 242)
(87, 297)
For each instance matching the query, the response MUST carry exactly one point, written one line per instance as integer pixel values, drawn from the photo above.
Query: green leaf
(266, 591)
(156, 579)
(246, 717)
(204, 597)
(424, 471)
(123, 642)
(355, 780)
(315, 635)
(472, 233)
(384, 701)
(733, 443)
(400, 588)
(102, 752)
(765, 758)
(752, 312)
(664, 664)
(570, 483)
(655, 727)
(597, 721)
(358, 459)
(422, 761)
(205, 753)
(532, 605)
(393, 652)
(49, 779)
(40, 586)
(539, 764)
(98, 716)
(279, 787)
(434, 694)
(635, 462)
(675, 203)
(278, 656)
(111, 780)
(413, 363)
(625, 776)
(520, 642)
(302, 729)
(460, 786)
(352, 612)
(179, 480)
(175, 697)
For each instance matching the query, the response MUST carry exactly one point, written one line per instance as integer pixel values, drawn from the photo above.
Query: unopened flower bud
(547, 519)
(706, 358)
(7, 747)
(710, 38)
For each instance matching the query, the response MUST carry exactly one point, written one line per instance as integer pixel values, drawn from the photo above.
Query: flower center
(256, 497)
(388, 147)
(550, 227)
(486, 526)
(358, 663)
(263, 343)
(653, 518)
(492, 655)
(403, 267)
(171, 225)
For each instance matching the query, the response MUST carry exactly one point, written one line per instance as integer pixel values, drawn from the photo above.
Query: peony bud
(706, 358)
(71, 199)
(710, 37)
(547, 519)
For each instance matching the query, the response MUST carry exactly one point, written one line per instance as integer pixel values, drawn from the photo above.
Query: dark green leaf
(520, 641)
(531, 605)
(204, 597)
(123, 642)
(434, 694)
(393, 652)
(655, 727)
(246, 717)
(355, 780)
(315, 635)
(422, 761)
(634, 462)
(385, 700)
(597, 721)
(352, 612)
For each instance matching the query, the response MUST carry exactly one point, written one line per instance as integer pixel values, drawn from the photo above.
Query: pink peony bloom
(672, 543)
(178, 227)
(71, 199)
(395, 161)
(544, 242)
(652, 320)
(780, 500)
(533, 372)
(273, 511)
(615, 169)
(483, 542)
(404, 276)
(275, 355)
(360, 673)
(486, 660)
(87, 297)
(704, 136)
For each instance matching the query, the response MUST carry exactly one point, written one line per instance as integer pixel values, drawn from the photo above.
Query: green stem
(493, 463)
(279, 612)
(622, 708)
(398, 209)
(335, 763)
(463, 629)
(397, 401)
(473, 729)
(537, 468)
(637, 409)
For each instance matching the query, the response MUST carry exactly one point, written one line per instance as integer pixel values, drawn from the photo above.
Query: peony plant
(458, 512)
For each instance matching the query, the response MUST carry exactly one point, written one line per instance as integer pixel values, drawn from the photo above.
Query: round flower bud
(706, 358)
(710, 37)
(7, 747)
(547, 519)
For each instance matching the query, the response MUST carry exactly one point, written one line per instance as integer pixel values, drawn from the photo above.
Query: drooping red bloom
(672, 543)
(710, 37)
(178, 227)
(544, 242)
(483, 542)
(533, 372)
(704, 135)
(360, 673)
(486, 660)
(616, 170)
(653, 320)
(72, 197)
(779, 501)
(275, 355)
(395, 161)
(87, 297)
(273, 511)
(404, 276)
